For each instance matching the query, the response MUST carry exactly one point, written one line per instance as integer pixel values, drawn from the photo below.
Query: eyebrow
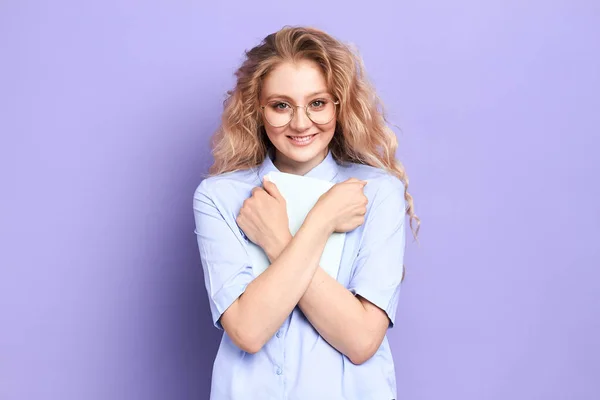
(289, 98)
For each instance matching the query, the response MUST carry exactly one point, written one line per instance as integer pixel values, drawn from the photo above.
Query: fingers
(355, 180)
(272, 189)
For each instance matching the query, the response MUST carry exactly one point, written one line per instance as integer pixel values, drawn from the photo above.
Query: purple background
(106, 109)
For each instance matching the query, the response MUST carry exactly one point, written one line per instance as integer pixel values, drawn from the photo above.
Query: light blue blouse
(297, 363)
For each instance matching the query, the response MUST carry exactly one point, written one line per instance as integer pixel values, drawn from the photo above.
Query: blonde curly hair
(362, 134)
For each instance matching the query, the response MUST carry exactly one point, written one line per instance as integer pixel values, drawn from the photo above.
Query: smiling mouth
(302, 139)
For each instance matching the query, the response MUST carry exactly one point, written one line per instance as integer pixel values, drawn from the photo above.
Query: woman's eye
(317, 103)
(280, 106)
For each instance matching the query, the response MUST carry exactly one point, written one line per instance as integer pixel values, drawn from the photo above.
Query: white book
(301, 194)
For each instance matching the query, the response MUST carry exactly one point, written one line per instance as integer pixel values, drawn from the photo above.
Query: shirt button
(278, 334)
(279, 371)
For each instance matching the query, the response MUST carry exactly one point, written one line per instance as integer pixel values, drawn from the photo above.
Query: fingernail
(266, 178)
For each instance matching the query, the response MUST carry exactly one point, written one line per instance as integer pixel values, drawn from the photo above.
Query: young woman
(301, 105)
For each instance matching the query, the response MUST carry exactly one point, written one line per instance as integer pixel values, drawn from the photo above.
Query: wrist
(277, 245)
(320, 221)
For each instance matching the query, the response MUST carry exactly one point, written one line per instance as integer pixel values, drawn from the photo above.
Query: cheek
(329, 129)
(274, 133)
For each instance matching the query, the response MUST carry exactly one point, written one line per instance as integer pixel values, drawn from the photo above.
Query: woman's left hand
(263, 218)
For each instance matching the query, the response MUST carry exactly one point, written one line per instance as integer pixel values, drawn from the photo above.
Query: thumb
(271, 188)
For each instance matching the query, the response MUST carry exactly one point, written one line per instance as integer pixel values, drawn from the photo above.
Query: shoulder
(227, 185)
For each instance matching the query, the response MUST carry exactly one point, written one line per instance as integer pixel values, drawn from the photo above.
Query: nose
(300, 121)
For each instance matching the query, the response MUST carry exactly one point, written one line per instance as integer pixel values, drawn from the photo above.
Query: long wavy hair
(362, 134)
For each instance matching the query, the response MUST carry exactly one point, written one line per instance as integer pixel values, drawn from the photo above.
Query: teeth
(301, 138)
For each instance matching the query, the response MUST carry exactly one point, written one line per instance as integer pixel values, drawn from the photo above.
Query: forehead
(295, 80)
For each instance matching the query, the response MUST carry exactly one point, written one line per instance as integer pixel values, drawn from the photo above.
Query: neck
(287, 165)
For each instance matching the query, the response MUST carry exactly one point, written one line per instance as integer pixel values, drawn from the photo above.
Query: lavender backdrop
(105, 113)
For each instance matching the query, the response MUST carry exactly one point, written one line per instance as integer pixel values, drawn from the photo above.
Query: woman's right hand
(343, 207)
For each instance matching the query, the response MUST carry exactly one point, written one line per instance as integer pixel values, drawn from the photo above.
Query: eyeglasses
(279, 113)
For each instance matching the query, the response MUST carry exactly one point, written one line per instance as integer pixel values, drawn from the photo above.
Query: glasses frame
(294, 107)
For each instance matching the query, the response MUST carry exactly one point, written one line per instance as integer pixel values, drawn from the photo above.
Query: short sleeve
(225, 261)
(378, 267)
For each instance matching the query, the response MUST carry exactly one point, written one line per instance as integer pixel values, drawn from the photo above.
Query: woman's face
(301, 144)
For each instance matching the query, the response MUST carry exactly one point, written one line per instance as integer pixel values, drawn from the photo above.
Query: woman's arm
(352, 325)
(344, 317)
(256, 315)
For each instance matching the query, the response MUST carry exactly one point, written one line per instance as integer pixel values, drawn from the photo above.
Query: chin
(304, 157)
